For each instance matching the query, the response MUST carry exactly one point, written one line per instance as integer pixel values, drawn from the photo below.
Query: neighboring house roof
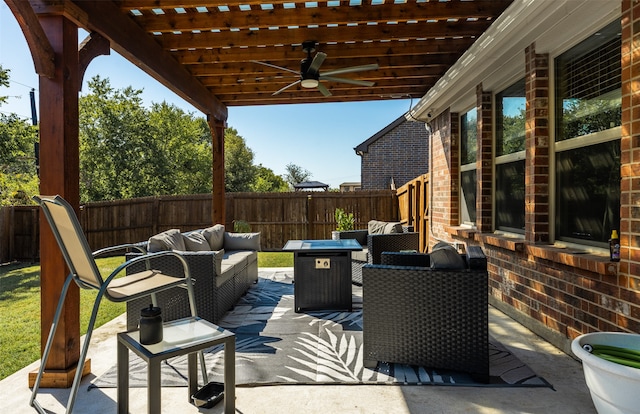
(364, 147)
(310, 184)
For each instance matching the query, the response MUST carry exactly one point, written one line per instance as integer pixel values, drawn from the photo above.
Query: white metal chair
(84, 271)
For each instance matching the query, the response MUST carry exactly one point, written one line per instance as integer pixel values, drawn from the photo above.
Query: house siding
(402, 154)
(556, 292)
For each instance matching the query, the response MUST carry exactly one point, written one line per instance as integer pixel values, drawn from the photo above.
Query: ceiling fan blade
(276, 67)
(316, 62)
(345, 80)
(286, 87)
(352, 69)
(323, 90)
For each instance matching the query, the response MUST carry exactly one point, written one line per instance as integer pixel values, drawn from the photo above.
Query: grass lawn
(20, 308)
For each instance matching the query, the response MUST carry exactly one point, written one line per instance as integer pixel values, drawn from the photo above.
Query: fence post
(156, 214)
(310, 217)
(12, 232)
(4, 235)
(35, 235)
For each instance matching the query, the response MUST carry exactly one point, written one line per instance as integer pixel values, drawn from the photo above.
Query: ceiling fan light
(309, 83)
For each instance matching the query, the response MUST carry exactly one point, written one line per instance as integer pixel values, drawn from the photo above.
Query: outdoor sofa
(378, 237)
(431, 313)
(222, 264)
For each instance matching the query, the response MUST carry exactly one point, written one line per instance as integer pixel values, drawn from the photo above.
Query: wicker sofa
(426, 315)
(377, 238)
(223, 265)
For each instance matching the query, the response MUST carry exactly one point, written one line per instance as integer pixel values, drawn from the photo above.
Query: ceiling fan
(310, 76)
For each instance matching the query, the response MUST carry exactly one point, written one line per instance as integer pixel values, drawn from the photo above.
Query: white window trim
(571, 143)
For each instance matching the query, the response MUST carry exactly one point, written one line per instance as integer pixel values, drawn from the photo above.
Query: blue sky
(318, 137)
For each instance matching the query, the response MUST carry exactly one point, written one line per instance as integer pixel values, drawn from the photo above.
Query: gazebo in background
(311, 186)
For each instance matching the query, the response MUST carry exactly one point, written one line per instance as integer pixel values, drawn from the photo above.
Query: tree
(296, 174)
(239, 171)
(18, 175)
(185, 142)
(127, 151)
(118, 156)
(266, 181)
(4, 81)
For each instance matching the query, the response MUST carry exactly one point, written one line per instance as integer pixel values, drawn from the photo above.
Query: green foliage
(186, 143)
(4, 81)
(266, 181)
(127, 151)
(241, 226)
(239, 171)
(344, 221)
(18, 175)
(20, 312)
(118, 156)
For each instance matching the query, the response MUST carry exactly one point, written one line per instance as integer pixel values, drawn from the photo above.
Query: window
(588, 119)
(510, 155)
(468, 150)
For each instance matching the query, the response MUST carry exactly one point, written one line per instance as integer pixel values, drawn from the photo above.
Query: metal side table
(183, 336)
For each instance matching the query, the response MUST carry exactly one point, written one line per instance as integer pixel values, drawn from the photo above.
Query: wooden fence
(277, 216)
(413, 205)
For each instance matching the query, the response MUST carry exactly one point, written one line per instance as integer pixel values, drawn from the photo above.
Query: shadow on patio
(570, 394)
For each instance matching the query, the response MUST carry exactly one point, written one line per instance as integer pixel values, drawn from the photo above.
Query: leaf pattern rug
(275, 345)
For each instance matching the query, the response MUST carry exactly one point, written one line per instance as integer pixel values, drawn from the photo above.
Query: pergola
(222, 53)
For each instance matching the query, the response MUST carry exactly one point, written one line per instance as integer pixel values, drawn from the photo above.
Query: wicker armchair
(375, 244)
(428, 317)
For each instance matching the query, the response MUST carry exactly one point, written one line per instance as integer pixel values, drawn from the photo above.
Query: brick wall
(484, 161)
(444, 205)
(402, 153)
(555, 292)
(537, 146)
(629, 272)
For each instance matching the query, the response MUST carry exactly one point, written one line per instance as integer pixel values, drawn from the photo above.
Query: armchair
(428, 316)
(374, 244)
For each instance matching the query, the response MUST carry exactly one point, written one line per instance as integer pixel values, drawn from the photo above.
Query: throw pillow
(390, 228)
(167, 240)
(214, 236)
(195, 242)
(242, 241)
(445, 256)
(383, 227)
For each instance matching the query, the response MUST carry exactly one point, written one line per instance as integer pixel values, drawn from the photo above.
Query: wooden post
(59, 174)
(217, 139)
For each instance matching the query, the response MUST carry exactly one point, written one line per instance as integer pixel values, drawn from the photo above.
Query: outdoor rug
(276, 346)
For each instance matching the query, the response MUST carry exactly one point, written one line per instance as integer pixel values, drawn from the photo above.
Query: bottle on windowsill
(614, 246)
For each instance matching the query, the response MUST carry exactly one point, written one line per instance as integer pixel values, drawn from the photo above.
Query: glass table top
(320, 245)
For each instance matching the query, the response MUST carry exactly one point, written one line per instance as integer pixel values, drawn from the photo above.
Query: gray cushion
(383, 227)
(360, 256)
(242, 241)
(445, 256)
(195, 242)
(167, 240)
(215, 236)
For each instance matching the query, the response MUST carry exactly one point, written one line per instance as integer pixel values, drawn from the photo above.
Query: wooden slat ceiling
(413, 42)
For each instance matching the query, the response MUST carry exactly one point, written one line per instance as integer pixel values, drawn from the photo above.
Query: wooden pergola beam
(130, 41)
(335, 51)
(339, 34)
(41, 50)
(281, 17)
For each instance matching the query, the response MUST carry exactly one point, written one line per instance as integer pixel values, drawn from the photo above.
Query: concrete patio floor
(570, 393)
